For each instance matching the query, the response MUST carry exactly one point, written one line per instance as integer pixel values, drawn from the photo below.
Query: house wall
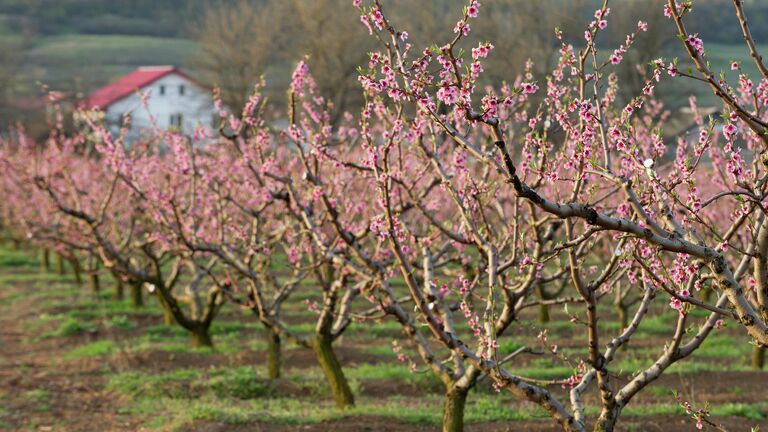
(195, 107)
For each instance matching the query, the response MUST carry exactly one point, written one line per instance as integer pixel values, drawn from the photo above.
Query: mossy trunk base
(119, 290)
(168, 316)
(45, 260)
(273, 353)
(201, 338)
(76, 269)
(758, 357)
(93, 282)
(137, 296)
(60, 270)
(623, 318)
(333, 372)
(453, 410)
(543, 314)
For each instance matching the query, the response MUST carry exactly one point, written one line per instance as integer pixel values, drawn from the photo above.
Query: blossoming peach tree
(596, 179)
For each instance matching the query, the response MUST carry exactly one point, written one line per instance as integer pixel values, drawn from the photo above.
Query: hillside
(80, 45)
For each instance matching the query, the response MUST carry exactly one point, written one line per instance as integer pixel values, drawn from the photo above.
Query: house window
(176, 120)
(126, 121)
(162, 90)
(181, 90)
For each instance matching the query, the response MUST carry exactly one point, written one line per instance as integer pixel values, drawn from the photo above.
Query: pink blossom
(696, 43)
(481, 51)
(473, 9)
(529, 88)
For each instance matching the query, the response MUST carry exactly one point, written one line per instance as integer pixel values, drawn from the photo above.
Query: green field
(675, 91)
(94, 60)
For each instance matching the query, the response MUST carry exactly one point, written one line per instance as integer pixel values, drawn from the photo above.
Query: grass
(93, 349)
(177, 413)
(394, 371)
(121, 322)
(242, 394)
(40, 397)
(70, 327)
(75, 46)
(751, 411)
(141, 385)
(3, 414)
(108, 56)
(280, 410)
(675, 92)
(661, 391)
(224, 383)
(11, 258)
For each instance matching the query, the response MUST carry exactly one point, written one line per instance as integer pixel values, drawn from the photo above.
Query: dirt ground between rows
(78, 397)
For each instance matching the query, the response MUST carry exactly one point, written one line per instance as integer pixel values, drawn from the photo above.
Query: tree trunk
(201, 338)
(93, 282)
(119, 289)
(76, 269)
(453, 409)
(16, 244)
(45, 261)
(607, 420)
(543, 313)
(758, 357)
(60, 265)
(333, 372)
(137, 296)
(167, 316)
(623, 317)
(273, 353)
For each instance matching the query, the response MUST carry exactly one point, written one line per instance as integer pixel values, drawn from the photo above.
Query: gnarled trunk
(137, 295)
(167, 316)
(543, 313)
(758, 357)
(167, 312)
(333, 372)
(453, 409)
(119, 289)
(623, 317)
(45, 260)
(76, 269)
(607, 420)
(93, 282)
(60, 270)
(273, 353)
(201, 337)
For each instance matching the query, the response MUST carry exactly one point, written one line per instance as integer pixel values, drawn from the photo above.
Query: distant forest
(127, 17)
(77, 46)
(169, 18)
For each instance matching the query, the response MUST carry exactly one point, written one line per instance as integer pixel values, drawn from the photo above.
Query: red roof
(129, 84)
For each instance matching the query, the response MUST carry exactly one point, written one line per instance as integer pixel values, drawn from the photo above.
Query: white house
(176, 101)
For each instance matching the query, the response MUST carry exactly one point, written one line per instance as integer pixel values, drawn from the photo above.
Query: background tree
(236, 42)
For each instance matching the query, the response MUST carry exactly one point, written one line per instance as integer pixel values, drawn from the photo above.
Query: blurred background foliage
(77, 46)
